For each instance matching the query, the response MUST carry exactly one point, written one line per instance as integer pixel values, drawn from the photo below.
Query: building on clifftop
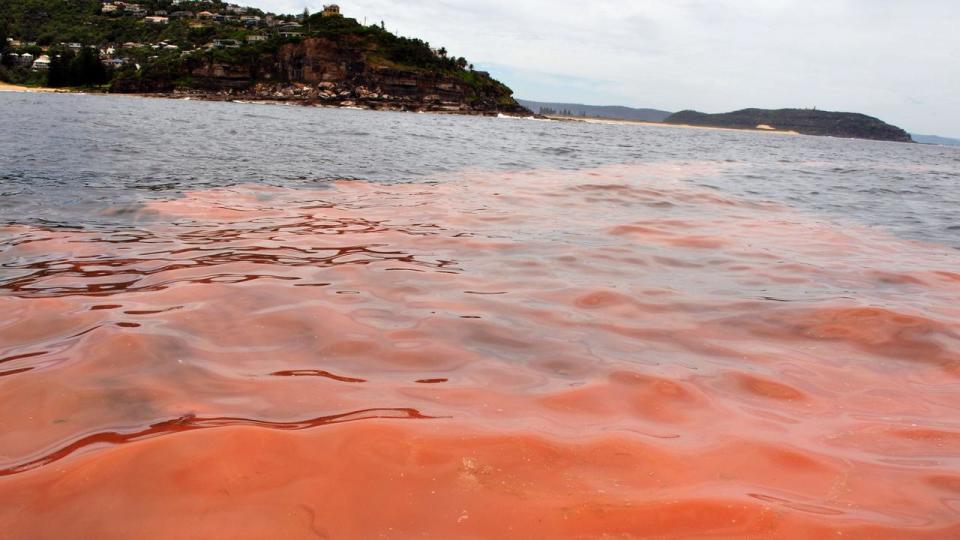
(332, 10)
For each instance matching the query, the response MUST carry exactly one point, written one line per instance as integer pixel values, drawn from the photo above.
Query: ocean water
(224, 320)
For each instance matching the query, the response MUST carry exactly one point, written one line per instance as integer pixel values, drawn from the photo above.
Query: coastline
(619, 122)
(356, 104)
(381, 105)
(385, 107)
(390, 106)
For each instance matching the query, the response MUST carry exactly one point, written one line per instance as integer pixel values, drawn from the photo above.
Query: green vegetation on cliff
(214, 46)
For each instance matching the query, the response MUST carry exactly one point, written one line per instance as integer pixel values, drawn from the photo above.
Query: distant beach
(619, 122)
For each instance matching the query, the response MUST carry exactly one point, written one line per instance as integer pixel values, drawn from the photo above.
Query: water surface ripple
(74, 161)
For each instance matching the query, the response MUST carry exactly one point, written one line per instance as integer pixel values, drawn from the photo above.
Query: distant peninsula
(803, 121)
(935, 139)
(614, 112)
(210, 49)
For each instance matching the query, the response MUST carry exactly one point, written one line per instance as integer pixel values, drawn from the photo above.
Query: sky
(898, 60)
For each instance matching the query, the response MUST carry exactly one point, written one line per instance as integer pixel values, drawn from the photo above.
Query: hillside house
(135, 10)
(42, 63)
(332, 10)
(156, 20)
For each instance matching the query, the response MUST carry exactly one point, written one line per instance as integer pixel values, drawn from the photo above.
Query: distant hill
(805, 121)
(598, 111)
(935, 139)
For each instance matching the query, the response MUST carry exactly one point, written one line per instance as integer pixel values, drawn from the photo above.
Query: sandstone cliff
(320, 70)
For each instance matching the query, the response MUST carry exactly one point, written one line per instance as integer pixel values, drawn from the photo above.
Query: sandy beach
(7, 87)
(612, 121)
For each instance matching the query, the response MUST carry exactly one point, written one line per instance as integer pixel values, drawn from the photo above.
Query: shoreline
(7, 87)
(382, 107)
(353, 104)
(625, 122)
(261, 100)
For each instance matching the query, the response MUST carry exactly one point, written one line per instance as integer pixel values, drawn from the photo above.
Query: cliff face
(807, 122)
(335, 72)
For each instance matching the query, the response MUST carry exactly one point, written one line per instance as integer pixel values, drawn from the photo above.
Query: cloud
(888, 58)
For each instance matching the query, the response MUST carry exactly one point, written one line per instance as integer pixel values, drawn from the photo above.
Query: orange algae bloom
(609, 353)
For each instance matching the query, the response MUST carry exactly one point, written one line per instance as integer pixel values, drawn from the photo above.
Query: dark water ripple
(192, 423)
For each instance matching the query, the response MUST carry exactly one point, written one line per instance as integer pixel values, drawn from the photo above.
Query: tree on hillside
(87, 70)
(59, 73)
(84, 69)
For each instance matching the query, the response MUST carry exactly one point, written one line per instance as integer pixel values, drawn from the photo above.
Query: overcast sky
(898, 60)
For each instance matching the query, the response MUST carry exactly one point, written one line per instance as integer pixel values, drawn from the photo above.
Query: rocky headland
(324, 71)
(211, 49)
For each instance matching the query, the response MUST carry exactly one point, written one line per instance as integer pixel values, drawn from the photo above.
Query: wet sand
(612, 352)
